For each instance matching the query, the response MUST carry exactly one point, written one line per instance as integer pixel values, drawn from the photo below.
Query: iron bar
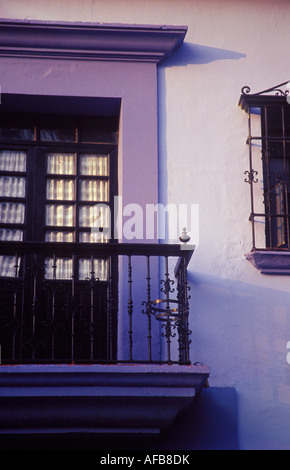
(64, 319)
(148, 279)
(110, 303)
(130, 308)
(251, 180)
(166, 290)
(16, 267)
(266, 154)
(99, 249)
(185, 325)
(92, 308)
(72, 310)
(286, 181)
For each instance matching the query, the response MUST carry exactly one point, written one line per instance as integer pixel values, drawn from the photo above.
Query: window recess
(268, 174)
(53, 172)
(57, 184)
(269, 166)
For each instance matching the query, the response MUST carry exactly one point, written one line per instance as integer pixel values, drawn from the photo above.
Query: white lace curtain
(62, 268)
(12, 160)
(64, 189)
(57, 214)
(12, 212)
(12, 187)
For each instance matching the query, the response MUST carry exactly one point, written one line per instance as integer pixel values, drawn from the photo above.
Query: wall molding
(89, 41)
(270, 262)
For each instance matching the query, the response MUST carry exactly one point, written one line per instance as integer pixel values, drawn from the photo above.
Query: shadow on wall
(198, 54)
(187, 54)
(251, 324)
(241, 332)
(211, 423)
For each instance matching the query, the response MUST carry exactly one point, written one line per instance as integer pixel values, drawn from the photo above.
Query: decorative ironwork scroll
(48, 319)
(276, 90)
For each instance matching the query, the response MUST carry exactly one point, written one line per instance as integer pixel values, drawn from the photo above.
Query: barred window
(269, 166)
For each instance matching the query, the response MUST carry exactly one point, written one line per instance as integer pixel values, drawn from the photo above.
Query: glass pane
(94, 236)
(98, 135)
(94, 216)
(11, 160)
(287, 121)
(12, 186)
(58, 135)
(60, 268)
(60, 189)
(9, 266)
(11, 213)
(53, 236)
(99, 129)
(61, 163)
(274, 121)
(98, 269)
(7, 234)
(16, 134)
(93, 190)
(94, 165)
(279, 223)
(59, 215)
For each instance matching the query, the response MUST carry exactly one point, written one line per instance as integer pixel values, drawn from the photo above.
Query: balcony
(95, 338)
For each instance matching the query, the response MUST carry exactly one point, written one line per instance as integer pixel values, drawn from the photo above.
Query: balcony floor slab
(113, 399)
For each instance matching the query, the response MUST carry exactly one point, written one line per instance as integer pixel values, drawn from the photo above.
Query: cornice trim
(89, 41)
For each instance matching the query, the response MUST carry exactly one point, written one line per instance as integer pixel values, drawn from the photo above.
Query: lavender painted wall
(133, 80)
(136, 86)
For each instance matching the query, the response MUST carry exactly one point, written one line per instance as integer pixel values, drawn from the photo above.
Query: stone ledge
(100, 399)
(270, 262)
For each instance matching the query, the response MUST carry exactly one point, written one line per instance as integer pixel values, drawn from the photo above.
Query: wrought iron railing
(129, 304)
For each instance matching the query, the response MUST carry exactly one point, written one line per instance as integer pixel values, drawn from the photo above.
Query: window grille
(269, 138)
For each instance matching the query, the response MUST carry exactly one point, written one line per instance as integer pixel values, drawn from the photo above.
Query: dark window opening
(58, 179)
(276, 176)
(269, 165)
